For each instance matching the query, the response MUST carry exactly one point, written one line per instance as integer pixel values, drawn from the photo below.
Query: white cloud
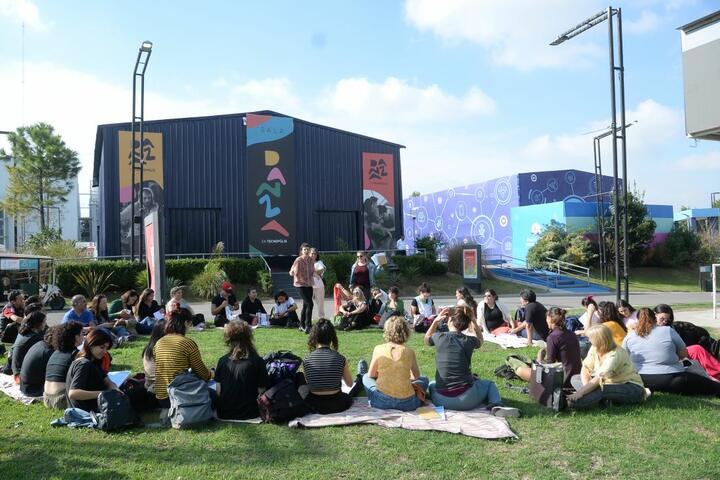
(702, 162)
(22, 11)
(397, 101)
(647, 22)
(515, 32)
(265, 94)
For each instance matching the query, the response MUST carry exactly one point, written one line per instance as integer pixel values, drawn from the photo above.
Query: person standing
(318, 284)
(401, 246)
(302, 271)
(362, 273)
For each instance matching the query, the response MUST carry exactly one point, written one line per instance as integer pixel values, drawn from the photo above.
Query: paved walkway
(699, 317)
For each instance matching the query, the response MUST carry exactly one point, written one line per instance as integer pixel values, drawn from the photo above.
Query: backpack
(114, 412)
(281, 365)
(281, 403)
(546, 385)
(189, 401)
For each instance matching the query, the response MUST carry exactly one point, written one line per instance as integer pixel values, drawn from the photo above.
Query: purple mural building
(481, 213)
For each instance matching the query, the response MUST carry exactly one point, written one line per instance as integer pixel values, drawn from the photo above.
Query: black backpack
(282, 365)
(281, 403)
(114, 412)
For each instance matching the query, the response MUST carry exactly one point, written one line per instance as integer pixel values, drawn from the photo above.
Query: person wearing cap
(224, 298)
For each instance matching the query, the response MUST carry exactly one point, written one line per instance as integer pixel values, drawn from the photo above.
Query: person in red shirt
(12, 315)
(302, 271)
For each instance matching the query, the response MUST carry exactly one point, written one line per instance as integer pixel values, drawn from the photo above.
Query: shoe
(505, 411)
(362, 368)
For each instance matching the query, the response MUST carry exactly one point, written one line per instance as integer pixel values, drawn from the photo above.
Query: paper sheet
(118, 378)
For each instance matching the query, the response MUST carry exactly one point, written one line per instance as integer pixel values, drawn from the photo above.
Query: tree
(556, 242)
(43, 171)
(641, 229)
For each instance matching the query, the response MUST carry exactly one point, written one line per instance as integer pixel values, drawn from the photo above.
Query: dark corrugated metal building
(198, 174)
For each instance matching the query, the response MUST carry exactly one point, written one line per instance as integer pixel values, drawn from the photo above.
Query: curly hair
(31, 322)
(396, 330)
(322, 333)
(63, 339)
(239, 338)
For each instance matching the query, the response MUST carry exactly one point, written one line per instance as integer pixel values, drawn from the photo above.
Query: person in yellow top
(394, 370)
(607, 375)
(174, 354)
(610, 317)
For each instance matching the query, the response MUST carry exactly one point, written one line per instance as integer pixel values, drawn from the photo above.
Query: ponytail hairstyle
(31, 322)
(461, 318)
(645, 322)
(609, 313)
(239, 338)
(556, 317)
(589, 301)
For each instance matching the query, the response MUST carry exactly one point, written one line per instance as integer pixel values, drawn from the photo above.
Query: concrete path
(699, 317)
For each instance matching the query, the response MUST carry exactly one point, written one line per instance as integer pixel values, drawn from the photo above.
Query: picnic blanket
(227, 420)
(507, 340)
(478, 423)
(9, 388)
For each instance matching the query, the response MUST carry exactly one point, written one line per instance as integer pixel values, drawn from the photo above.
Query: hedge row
(424, 265)
(124, 272)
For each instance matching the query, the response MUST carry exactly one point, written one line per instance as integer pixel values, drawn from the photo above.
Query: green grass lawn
(653, 279)
(669, 437)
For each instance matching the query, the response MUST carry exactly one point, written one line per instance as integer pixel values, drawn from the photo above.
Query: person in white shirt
(318, 284)
(402, 246)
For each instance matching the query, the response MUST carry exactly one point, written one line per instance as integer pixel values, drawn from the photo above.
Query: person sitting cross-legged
(607, 374)
(86, 378)
(455, 387)
(394, 371)
(324, 368)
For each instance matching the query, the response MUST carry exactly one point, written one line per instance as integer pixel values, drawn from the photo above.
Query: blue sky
(469, 86)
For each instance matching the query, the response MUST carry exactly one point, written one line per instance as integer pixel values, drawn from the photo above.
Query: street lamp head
(146, 46)
(559, 40)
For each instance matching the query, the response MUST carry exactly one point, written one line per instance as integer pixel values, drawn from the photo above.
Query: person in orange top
(303, 271)
(610, 317)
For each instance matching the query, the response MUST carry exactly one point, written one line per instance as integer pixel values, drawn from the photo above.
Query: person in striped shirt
(174, 354)
(324, 369)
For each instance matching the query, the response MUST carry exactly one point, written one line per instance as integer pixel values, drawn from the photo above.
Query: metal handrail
(568, 268)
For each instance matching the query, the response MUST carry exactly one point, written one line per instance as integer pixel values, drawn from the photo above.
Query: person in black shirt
(534, 326)
(145, 311)
(86, 378)
(224, 298)
(31, 331)
(65, 340)
(32, 372)
(12, 316)
(240, 375)
(251, 306)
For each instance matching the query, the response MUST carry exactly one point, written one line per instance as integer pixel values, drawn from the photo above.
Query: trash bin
(705, 278)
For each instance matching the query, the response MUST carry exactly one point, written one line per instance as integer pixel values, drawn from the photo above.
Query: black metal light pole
(573, 32)
(138, 75)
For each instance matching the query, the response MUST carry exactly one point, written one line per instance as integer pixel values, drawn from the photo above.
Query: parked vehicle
(34, 275)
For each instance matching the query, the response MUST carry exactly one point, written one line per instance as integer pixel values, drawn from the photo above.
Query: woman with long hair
(324, 369)
(590, 316)
(657, 351)
(362, 273)
(610, 317)
(100, 310)
(241, 374)
(145, 311)
(86, 379)
(31, 331)
(148, 355)
(628, 313)
(607, 374)
(355, 312)
(492, 315)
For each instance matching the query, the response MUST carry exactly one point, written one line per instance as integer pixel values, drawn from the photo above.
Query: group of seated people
(630, 351)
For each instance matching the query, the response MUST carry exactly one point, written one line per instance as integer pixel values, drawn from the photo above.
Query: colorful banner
(378, 200)
(151, 192)
(271, 195)
(470, 264)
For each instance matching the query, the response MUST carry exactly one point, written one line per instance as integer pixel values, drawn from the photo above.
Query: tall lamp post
(136, 163)
(614, 128)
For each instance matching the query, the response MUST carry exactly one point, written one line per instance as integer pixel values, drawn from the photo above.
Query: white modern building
(65, 217)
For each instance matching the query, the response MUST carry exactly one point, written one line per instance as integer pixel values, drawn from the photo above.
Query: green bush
(338, 266)
(123, 273)
(423, 265)
(555, 242)
(681, 248)
(430, 244)
(455, 259)
(207, 283)
(264, 281)
(242, 270)
(184, 269)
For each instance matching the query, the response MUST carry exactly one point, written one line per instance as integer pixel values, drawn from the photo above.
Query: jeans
(145, 326)
(623, 393)
(483, 392)
(120, 331)
(306, 315)
(536, 335)
(377, 399)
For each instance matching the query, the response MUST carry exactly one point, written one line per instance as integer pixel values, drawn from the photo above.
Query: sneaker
(199, 328)
(505, 412)
(362, 368)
